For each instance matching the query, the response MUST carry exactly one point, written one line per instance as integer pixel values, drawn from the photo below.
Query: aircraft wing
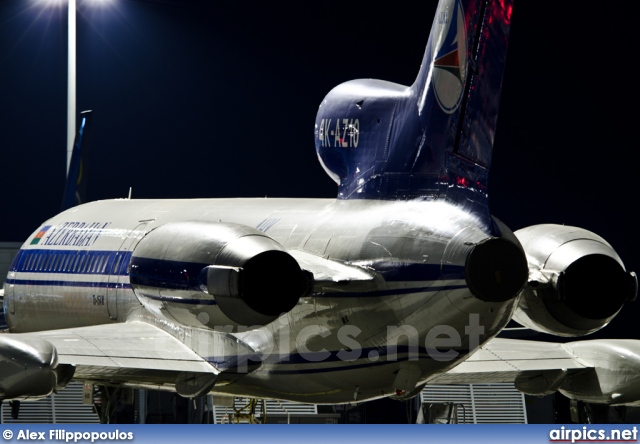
(130, 345)
(502, 360)
(130, 352)
(605, 371)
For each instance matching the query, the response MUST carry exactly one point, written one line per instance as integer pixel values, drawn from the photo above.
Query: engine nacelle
(216, 275)
(577, 282)
(29, 369)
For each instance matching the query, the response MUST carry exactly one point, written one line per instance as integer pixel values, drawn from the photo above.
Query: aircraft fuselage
(418, 314)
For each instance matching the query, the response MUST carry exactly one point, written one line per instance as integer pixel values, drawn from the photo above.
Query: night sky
(211, 99)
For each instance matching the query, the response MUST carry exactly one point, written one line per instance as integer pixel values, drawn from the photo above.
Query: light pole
(71, 77)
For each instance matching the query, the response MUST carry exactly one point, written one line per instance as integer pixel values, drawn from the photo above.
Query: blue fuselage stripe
(104, 263)
(104, 284)
(72, 262)
(66, 283)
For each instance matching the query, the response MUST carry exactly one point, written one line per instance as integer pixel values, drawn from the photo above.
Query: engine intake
(216, 274)
(577, 282)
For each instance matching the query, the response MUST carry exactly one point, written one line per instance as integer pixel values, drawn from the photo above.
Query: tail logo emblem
(449, 55)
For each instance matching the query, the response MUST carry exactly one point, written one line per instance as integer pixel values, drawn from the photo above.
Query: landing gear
(108, 399)
(584, 413)
(580, 412)
(104, 403)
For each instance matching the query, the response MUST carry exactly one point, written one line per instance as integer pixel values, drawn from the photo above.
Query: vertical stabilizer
(75, 189)
(433, 139)
(459, 85)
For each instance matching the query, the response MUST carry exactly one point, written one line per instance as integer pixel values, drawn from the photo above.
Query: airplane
(405, 279)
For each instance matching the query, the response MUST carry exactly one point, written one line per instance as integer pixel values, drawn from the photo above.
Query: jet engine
(29, 369)
(577, 282)
(216, 275)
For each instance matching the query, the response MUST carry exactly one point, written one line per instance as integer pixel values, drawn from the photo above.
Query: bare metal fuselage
(347, 341)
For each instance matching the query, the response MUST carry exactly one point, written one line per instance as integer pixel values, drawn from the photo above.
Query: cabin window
(103, 264)
(49, 262)
(67, 260)
(116, 265)
(82, 265)
(92, 264)
(76, 260)
(29, 263)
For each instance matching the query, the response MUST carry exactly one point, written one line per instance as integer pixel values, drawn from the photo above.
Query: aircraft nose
(496, 270)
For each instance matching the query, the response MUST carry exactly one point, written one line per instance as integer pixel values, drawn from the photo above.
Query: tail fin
(75, 189)
(460, 81)
(434, 139)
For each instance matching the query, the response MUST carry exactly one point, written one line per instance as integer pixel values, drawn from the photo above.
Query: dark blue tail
(380, 140)
(75, 189)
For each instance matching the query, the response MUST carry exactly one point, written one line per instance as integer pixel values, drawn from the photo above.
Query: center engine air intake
(216, 274)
